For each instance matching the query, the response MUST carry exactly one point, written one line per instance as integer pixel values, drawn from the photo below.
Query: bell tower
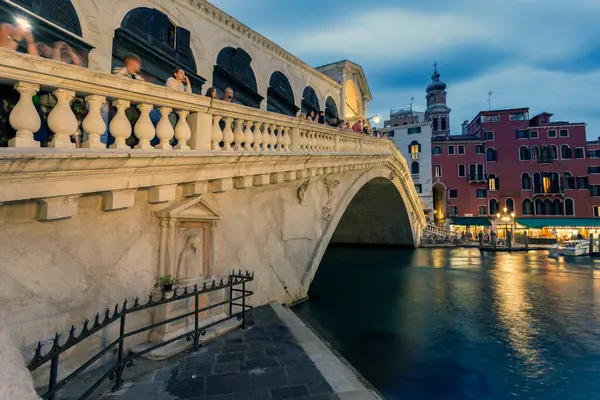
(437, 111)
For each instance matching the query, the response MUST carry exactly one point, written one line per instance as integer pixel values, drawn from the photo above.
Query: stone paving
(263, 361)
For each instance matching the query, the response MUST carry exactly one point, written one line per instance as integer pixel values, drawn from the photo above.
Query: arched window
(435, 124)
(525, 181)
(491, 154)
(234, 70)
(414, 168)
(510, 205)
(444, 124)
(553, 152)
(331, 111)
(569, 207)
(544, 153)
(557, 207)
(524, 153)
(547, 207)
(539, 209)
(161, 45)
(310, 101)
(537, 182)
(280, 97)
(493, 182)
(59, 12)
(527, 207)
(494, 206)
(568, 181)
(414, 148)
(535, 153)
(565, 152)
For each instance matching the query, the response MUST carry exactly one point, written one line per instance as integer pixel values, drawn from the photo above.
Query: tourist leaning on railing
(179, 81)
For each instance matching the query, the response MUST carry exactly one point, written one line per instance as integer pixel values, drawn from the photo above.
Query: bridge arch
(358, 198)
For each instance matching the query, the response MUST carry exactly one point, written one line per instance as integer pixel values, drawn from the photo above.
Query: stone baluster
(164, 129)
(258, 136)
(248, 136)
(217, 133)
(61, 120)
(319, 141)
(144, 129)
(267, 137)
(312, 141)
(24, 118)
(94, 124)
(302, 140)
(183, 132)
(280, 138)
(119, 126)
(227, 134)
(274, 138)
(238, 135)
(288, 140)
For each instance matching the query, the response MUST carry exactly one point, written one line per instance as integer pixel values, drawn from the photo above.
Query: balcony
(553, 191)
(477, 178)
(415, 177)
(414, 156)
(546, 160)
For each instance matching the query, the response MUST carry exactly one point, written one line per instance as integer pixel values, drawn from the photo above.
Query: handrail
(123, 361)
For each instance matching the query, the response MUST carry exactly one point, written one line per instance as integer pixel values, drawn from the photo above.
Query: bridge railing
(147, 116)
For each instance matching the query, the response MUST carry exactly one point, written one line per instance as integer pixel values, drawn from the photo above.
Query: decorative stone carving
(330, 186)
(191, 258)
(302, 190)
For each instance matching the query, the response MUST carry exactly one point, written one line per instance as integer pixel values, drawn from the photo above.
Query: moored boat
(571, 248)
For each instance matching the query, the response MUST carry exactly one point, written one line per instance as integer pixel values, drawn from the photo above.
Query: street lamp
(507, 218)
(376, 118)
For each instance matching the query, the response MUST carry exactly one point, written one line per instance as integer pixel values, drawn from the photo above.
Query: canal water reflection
(455, 324)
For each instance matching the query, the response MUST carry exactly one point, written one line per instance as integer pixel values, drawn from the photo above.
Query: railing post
(53, 376)
(119, 371)
(337, 143)
(231, 280)
(24, 118)
(243, 302)
(196, 317)
(201, 125)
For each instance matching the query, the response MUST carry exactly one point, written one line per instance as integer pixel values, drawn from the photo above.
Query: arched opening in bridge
(439, 202)
(280, 97)
(310, 101)
(331, 111)
(233, 70)
(376, 215)
(353, 101)
(159, 42)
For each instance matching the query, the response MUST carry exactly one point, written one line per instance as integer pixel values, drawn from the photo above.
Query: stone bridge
(243, 188)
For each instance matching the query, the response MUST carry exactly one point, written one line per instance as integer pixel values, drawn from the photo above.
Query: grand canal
(455, 324)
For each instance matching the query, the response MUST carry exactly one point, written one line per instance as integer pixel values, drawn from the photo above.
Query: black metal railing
(552, 190)
(237, 298)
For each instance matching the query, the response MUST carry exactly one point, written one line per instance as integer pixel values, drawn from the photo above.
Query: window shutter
(183, 40)
(159, 23)
(497, 183)
(419, 147)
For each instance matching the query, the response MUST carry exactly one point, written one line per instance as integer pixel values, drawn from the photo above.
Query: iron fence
(237, 309)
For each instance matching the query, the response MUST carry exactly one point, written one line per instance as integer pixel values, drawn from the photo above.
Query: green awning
(539, 223)
(471, 221)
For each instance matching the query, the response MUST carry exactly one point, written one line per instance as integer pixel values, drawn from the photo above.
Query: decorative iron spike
(185, 290)
(72, 332)
(124, 306)
(56, 345)
(175, 291)
(106, 315)
(204, 286)
(195, 287)
(38, 351)
(85, 326)
(240, 272)
(221, 283)
(150, 299)
(97, 319)
(116, 313)
(214, 283)
(136, 302)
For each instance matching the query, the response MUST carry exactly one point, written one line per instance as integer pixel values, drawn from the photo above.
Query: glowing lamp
(23, 23)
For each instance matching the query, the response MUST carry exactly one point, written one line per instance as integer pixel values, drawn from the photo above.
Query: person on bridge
(179, 81)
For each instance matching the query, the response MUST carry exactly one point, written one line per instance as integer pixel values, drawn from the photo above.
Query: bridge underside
(377, 215)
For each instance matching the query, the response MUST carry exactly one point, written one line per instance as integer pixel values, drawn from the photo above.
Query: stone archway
(353, 106)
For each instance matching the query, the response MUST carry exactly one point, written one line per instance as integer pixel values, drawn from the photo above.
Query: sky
(542, 54)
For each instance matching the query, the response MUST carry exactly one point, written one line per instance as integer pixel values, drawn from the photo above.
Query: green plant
(165, 281)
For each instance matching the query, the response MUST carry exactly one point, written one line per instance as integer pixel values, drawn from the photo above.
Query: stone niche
(185, 252)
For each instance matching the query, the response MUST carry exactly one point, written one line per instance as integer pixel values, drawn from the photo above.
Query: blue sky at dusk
(542, 54)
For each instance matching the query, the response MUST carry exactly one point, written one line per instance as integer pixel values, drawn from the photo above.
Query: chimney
(465, 128)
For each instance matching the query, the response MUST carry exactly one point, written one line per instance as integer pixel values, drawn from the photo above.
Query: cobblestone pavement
(260, 362)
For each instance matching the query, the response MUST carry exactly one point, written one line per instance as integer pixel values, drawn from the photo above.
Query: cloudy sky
(542, 54)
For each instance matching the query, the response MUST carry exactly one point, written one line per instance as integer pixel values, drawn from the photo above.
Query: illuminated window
(493, 183)
(437, 171)
(546, 184)
(596, 211)
(482, 210)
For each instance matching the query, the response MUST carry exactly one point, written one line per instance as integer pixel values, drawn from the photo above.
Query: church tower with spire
(437, 111)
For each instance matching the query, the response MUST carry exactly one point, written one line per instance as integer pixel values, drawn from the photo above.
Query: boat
(571, 248)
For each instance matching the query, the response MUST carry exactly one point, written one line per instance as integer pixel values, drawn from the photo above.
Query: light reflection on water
(457, 324)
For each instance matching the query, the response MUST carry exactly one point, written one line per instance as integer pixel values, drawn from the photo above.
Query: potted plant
(166, 283)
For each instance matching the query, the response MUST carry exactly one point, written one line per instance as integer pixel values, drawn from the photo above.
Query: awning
(539, 223)
(471, 221)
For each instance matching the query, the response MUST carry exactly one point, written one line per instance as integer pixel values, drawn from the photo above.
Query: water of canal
(454, 324)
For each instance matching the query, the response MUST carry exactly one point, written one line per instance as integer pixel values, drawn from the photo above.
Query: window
(479, 149)
(544, 120)
(482, 210)
(488, 136)
(481, 193)
(517, 116)
(490, 118)
(510, 205)
(476, 173)
(566, 153)
(534, 134)
(437, 150)
(437, 171)
(453, 193)
(596, 211)
(412, 131)
(568, 181)
(594, 154)
(462, 171)
(525, 181)
(563, 133)
(582, 182)
(494, 206)
(451, 149)
(546, 184)
(453, 211)
(492, 155)
(551, 133)
(444, 124)
(569, 207)
(595, 190)
(524, 153)
(418, 188)
(493, 182)
(461, 149)
(535, 153)
(594, 170)
(522, 134)
(579, 153)
(414, 168)
(414, 148)
(527, 207)
(553, 150)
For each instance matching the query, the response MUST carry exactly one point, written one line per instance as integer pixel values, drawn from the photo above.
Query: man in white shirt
(179, 81)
